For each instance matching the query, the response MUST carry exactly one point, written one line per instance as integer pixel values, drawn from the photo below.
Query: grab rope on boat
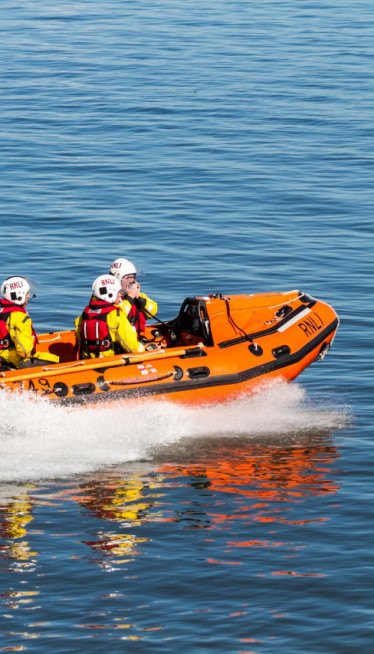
(254, 345)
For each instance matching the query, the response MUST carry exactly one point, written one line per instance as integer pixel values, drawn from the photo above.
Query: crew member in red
(137, 306)
(103, 328)
(18, 339)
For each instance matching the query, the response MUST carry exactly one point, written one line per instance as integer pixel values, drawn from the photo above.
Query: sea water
(223, 147)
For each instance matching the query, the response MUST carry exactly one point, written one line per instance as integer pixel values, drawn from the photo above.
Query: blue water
(223, 146)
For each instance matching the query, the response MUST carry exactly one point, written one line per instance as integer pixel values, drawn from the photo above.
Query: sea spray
(40, 440)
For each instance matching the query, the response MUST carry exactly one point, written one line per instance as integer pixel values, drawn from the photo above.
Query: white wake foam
(39, 440)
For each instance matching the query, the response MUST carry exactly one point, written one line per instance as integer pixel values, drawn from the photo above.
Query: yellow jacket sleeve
(144, 302)
(150, 305)
(122, 332)
(20, 331)
(78, 324)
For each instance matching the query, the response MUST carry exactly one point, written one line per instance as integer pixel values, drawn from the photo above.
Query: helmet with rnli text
(121, 267)
(106, 287)
(15, 289)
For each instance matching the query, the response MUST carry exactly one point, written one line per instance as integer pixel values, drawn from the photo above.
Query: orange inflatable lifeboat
(215, 349)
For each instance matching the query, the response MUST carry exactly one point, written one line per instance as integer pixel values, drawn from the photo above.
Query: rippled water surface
(222, 146)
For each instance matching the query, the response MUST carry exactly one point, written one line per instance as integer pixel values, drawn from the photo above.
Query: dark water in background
(223, 146)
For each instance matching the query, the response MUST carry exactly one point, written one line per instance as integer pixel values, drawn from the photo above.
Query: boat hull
(215, 350)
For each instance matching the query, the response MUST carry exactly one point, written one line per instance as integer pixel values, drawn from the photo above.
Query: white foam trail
(39, 440)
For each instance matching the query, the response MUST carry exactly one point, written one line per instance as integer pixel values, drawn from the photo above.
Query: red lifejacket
(6, 308)
(137, 319)
(95, 334)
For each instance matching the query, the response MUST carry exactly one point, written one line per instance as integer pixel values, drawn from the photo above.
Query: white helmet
(106, 287)
(121, 267)
(15, 289)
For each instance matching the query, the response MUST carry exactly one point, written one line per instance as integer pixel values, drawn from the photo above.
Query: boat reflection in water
(210, 485)
(223, 487)
(16, 514)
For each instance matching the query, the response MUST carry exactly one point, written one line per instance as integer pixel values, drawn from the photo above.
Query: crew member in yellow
(138, 306)
(103, 328)
(18, 339)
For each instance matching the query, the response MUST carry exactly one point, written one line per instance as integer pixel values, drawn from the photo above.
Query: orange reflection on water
(224, 562)
(274, 478)
(282, 573)
(245, 482)
(275, 474)
(255, 543)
